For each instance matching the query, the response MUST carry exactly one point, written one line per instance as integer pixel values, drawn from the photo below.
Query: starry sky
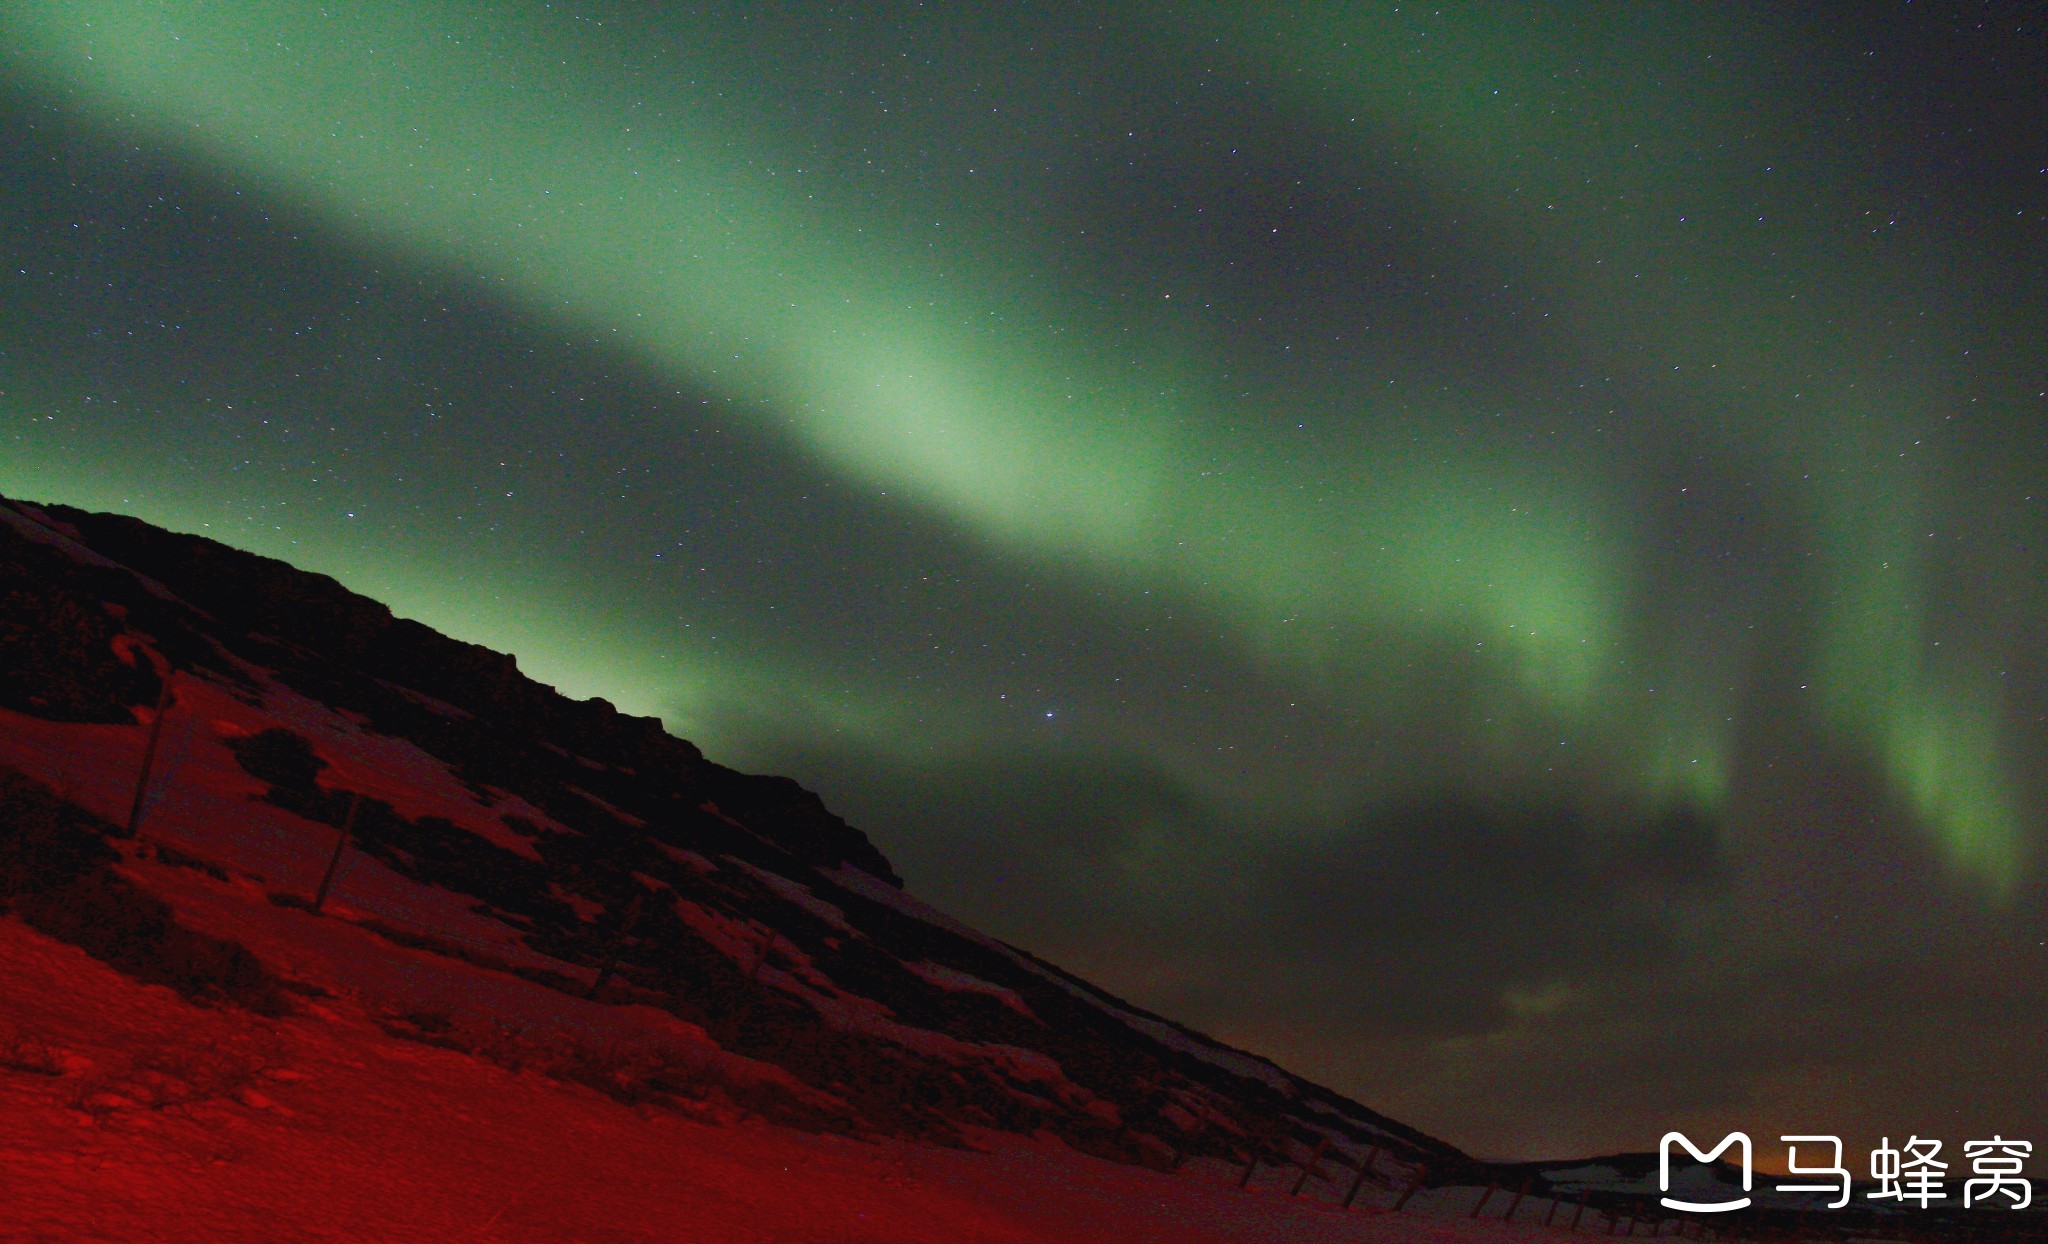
(1489, 553)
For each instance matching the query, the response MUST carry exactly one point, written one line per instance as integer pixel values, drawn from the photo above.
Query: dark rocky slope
(642, 873)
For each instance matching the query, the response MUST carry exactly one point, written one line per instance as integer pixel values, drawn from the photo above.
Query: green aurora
(1562, 404)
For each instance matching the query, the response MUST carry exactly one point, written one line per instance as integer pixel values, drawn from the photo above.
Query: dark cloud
(1415, 919)
(1421, 917)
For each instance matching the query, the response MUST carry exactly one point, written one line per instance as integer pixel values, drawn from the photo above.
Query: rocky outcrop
(609, 860)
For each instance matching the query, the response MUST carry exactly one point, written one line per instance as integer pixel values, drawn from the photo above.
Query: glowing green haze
(517, 144)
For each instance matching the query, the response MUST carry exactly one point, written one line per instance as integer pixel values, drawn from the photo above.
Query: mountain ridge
(597, 853)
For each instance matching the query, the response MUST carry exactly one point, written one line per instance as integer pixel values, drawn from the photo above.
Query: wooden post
(1310, 1167)
(1484, 1197)
(761, 958)
(1180, 1146)
(1578, 1213)
(611, 956)
(1364, 1169)
(1552, 1211)
(156, 732)
(752, 1001)
(1516, 1203)
(1251, 1164)
(1421, 1173)
(348, 822)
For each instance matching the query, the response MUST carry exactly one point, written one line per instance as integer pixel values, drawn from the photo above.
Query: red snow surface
(145, 1117)
(130, 1114)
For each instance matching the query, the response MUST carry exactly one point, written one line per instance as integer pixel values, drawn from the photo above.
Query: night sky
(1490, 554)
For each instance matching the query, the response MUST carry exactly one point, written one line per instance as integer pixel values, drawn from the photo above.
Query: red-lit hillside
(567, 980)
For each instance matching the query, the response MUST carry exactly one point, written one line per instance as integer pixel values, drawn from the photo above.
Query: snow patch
(798, 894)
(1235, 1061)
(585, 910)
(687, 858)
(432, 704)
(964, 982)
(625, 817)
(30, 523)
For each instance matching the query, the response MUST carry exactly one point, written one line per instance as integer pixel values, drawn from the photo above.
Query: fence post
(1251, 1164)
(1364, 1169)
(156, 732)
(1310, 1167)
(611, 956)
(752, 1001)
(348, 822)
(1516, 1203)
(1484, 1197)
(1421, 1173)
(1578, 1213)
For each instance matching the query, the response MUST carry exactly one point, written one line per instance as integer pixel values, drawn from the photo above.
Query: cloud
(1429, 917)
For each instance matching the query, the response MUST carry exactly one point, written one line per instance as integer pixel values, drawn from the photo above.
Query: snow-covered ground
(128, 1114)
(790, 1047)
